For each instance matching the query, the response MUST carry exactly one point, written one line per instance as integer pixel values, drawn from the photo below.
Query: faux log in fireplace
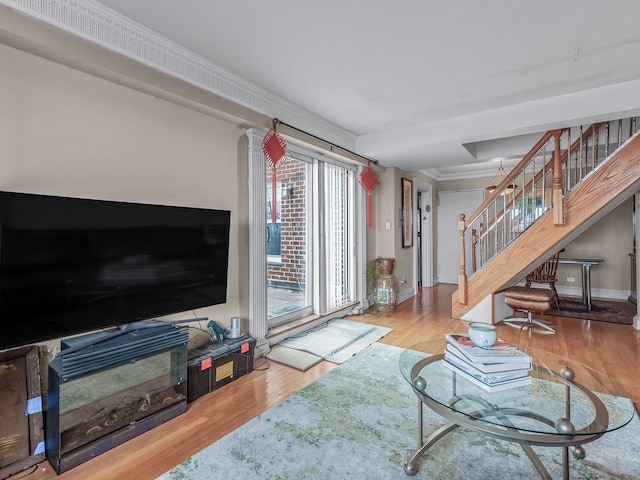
(105, 389)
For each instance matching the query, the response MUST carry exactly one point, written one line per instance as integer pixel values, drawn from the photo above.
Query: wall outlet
(571, 279)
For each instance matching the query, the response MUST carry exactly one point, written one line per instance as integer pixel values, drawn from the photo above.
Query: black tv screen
(70, 265)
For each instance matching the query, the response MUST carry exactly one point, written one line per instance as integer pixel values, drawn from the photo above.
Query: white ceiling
(423, 84)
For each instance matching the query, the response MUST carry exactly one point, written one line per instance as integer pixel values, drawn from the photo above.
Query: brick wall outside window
(291, 273)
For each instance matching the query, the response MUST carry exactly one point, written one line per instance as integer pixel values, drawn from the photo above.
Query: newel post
(557, 196)
(462, 275)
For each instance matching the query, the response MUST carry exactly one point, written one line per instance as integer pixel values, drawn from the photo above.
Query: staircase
(568, 181)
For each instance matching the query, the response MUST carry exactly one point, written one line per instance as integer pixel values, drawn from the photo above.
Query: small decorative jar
(483, 335)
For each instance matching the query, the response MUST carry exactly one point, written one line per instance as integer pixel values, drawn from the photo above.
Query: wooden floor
(610, 348)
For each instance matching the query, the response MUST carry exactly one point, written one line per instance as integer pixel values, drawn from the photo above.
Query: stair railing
(537, 184)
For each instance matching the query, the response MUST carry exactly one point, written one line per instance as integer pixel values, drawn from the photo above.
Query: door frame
(426, 191)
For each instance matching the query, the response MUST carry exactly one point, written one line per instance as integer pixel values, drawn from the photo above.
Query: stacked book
(493, 369)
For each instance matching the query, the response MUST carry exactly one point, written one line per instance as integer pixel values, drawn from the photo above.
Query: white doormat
(338, 340)
(293, 358)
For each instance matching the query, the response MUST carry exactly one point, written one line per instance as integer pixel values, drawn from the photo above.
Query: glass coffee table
(566, 405)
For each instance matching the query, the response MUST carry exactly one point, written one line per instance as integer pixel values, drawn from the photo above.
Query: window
(307, 263)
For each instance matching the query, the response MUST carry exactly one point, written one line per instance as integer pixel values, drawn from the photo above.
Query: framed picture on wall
(407, 212)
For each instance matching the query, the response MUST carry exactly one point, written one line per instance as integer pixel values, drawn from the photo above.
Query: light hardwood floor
(609, 348)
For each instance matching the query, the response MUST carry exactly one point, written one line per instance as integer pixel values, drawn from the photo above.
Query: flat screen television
(72, 265)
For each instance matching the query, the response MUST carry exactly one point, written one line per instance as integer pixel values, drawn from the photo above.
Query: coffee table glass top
(560, 389)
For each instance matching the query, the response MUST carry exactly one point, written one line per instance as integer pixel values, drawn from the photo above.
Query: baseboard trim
(595, 293)
(406, 294)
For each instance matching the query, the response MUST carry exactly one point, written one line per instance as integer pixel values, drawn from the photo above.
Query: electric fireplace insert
(105, 392)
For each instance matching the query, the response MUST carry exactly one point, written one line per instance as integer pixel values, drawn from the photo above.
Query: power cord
(267, 363)
(194, 341)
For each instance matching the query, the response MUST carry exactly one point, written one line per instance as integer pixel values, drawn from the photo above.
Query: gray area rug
(338, 340)
(360, 422)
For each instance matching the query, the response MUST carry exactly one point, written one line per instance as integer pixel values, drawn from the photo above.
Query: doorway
(304, 254)
(450, 205)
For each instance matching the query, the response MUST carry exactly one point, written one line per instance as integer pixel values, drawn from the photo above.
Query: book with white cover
(498, 387)
(489, 378)
(524, 363)
(501, 352)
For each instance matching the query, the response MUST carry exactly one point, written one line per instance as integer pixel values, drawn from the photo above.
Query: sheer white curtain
(339, 211)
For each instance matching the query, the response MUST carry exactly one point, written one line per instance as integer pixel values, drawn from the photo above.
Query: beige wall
(65, 132)
(383, 242)
(610, 239)
(403, 255)
(384, 205)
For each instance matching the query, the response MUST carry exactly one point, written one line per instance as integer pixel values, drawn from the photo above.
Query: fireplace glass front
(94, 412)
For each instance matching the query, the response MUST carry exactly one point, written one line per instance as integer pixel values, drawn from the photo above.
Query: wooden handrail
(555, 164)
(586, 134)
(598, 193)
(510, 177)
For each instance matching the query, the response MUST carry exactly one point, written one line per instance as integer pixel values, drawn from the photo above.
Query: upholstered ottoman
(529, 300)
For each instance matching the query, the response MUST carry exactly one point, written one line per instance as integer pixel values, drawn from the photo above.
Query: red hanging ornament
(275, 150)
(369, 180)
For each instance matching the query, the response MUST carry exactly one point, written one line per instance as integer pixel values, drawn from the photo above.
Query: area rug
(293, 358)
(612, 311)
(360, 422)
(338, 339)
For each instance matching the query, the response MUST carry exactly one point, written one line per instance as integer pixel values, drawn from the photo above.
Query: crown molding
(464, 172)
(92, 21)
